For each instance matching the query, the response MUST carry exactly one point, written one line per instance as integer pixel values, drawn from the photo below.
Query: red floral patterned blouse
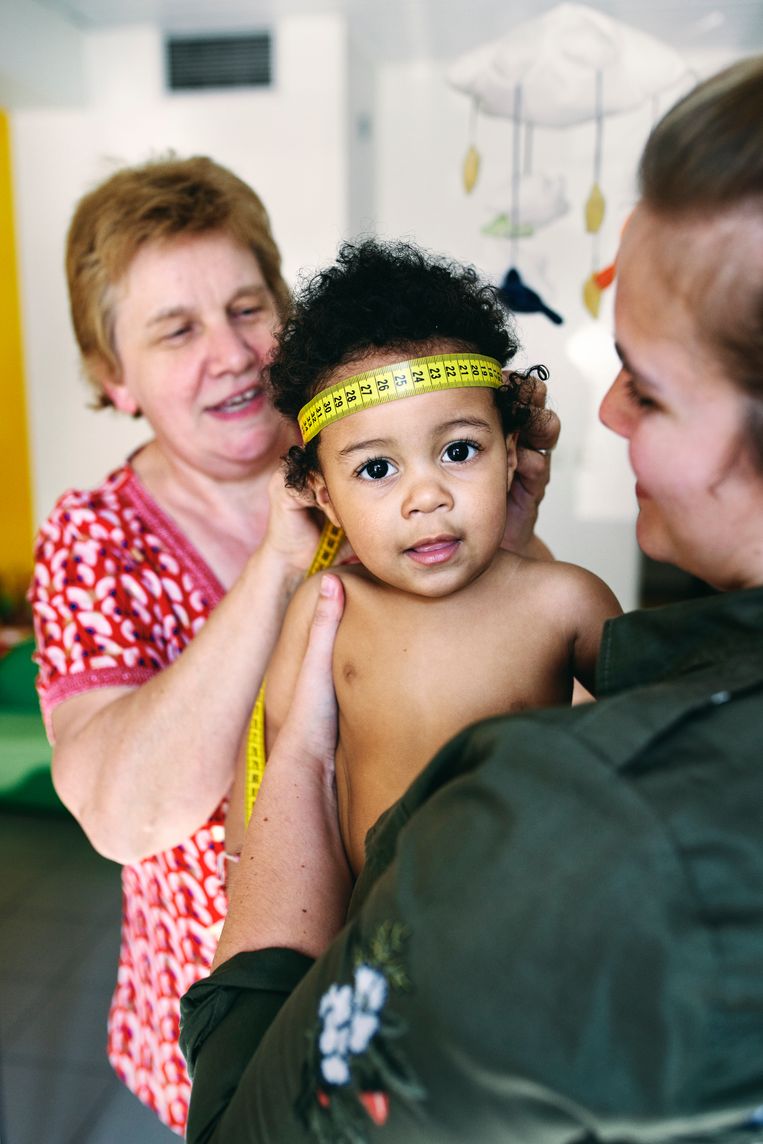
(117, 593)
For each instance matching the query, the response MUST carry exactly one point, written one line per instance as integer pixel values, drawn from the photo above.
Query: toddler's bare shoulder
(306, 596)
(556, 582)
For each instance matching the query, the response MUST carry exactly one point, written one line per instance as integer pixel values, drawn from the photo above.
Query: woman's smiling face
(699, 491)
(194, 330)
(419, 485)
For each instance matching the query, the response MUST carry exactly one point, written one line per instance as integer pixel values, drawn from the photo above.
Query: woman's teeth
(239, 399)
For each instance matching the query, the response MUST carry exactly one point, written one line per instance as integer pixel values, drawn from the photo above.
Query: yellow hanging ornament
(471, 168)
(592, 296)
(594, 210)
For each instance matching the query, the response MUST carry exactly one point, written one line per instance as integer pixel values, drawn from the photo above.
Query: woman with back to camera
(558, 933)
(192, 546)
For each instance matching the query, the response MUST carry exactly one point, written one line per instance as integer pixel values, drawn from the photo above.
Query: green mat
(24, 750)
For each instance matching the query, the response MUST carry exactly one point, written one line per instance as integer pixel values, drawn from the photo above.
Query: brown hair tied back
(703, 161)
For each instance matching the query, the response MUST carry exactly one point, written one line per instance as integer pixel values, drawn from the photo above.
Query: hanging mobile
(471, 167)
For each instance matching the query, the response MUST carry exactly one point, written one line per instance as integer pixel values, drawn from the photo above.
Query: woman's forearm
(144, 770)
(293, 882)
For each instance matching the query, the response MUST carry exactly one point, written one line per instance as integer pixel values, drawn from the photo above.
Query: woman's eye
(636, 396)
(178, 333)
(460, 451)
(376, 470)
(251, 309)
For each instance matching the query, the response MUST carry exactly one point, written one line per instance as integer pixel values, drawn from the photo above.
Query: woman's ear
(109, 379)
(322, 497)
(511, 456)
(121, 398)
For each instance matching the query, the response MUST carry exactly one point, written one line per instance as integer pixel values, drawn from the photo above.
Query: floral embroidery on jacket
(354, 1065)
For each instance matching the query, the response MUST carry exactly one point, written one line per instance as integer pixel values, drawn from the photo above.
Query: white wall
(289, 142)
(361, 140)
(41, 56)
(341, 144)
(422, 137)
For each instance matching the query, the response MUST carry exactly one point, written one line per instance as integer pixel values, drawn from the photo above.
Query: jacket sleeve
(528, 966)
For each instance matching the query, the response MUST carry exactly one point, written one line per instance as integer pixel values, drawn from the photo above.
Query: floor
(59, 928)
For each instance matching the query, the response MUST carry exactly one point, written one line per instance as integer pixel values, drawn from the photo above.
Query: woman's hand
(293, 882)
(292, 530)
(309, 733)
(531, 477)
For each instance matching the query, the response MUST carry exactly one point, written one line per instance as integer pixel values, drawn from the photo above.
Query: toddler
(392, 364)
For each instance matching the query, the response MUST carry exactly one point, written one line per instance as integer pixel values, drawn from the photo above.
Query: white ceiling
(432, 28)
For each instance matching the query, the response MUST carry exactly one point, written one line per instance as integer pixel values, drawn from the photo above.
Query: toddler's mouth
(437, 550)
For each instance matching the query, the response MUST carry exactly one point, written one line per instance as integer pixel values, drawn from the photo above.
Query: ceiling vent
(198, 62)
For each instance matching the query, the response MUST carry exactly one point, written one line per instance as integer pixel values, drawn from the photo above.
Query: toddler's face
(419, 485)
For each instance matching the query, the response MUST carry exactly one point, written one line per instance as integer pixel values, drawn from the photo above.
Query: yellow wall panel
(15, 486)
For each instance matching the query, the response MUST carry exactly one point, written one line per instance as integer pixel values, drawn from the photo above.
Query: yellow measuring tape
(391, 382)
(329, 544)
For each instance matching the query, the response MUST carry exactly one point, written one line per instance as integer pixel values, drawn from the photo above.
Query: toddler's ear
(322, 498)
(511, 454)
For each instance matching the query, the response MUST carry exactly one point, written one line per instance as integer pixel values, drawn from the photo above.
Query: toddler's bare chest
(443, 671)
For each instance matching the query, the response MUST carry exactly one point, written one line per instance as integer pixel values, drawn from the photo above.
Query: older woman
(191, 546)
(558, 934)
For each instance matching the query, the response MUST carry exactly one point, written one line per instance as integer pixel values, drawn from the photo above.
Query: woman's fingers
(314, 702)
(292, 531)
(544, 428)
(534, 446)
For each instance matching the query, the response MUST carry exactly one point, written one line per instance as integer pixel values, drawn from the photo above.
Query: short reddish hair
(154, 202)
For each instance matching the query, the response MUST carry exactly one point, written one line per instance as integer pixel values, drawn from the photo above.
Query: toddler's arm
(591, 604)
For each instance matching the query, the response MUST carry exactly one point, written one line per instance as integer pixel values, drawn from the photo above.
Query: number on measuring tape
(402, 379)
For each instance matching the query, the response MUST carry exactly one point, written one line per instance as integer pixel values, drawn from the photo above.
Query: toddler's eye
(460, 451)
(376, 470)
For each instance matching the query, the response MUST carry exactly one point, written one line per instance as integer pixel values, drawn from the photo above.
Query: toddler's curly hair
(392, 296)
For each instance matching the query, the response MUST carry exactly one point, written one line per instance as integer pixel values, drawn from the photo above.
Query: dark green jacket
(557, 937)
